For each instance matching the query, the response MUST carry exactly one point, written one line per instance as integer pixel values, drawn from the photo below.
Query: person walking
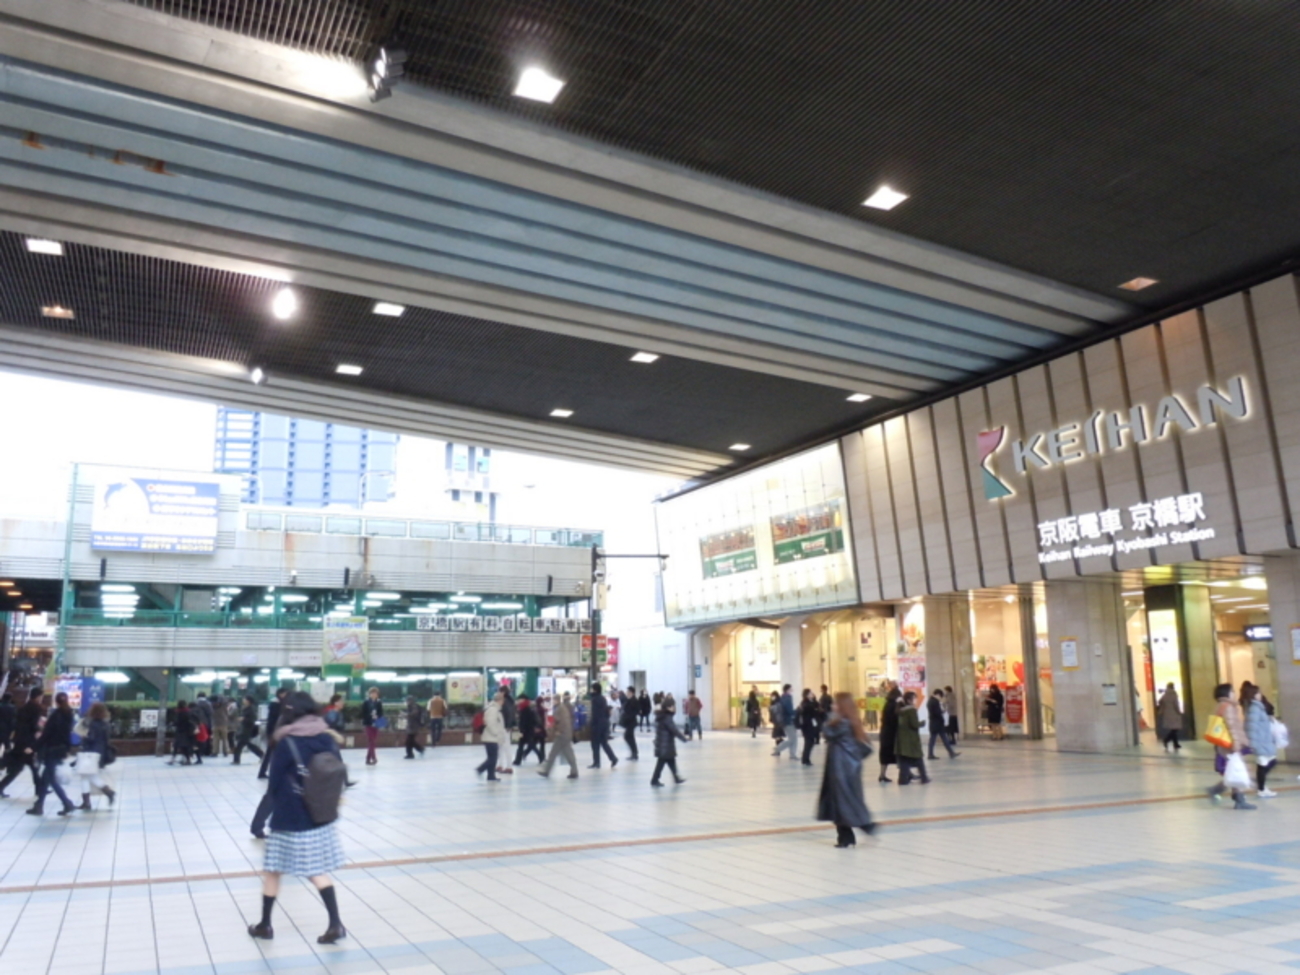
(1229, 710)
(840, 800)
(220, 728)
(630, 718)
(808, 719)
(531, 732)
(298, 845)
(776, 718)
(204, 726)
(889, 733)
(246, 733)
(646, 709)
(272, 722)
(937, 722)
(1258, 714)
(753, 712)
(994, 704)
(563, 746)
(950, 710)
(52, 747)
(788, 717)
(1169, 718)
(372, 715)
(826, 703)
(8, 720)
(437, 719)
(600, 728)
(494, 735)
(22, 753)
(186, 729)
(95, 753)
(693, 708)
(416, 715)
(666, 735)
(911, 759)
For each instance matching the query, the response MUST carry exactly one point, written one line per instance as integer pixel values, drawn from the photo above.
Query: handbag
(87, 763)
(1217, 733)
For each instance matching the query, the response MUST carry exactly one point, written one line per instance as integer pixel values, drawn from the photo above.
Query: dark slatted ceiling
(171, 307)
(1088, 142)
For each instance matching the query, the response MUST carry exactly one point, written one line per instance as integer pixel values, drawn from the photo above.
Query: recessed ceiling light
(859, 397)
(57, 311)
(346, 370)
(562, 414)
(257, 375)
(389, 309)
(739, 446)
(646, 357)
(285, 304)
(13, 592)
(25, 606)
(1137, 284)
(39, 245)
(538, 85)
(884, 199)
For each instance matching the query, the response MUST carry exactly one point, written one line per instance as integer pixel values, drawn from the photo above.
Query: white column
(1283, 575)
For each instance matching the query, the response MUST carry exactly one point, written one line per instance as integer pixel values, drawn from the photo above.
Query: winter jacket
(1230, 712)
(437, 707)
(934, 713)
(643, 705)
(787, 709)
(1259, 729)
(599, 717)
(563, 722)
(27, 726)
(8, 720)
(693, 706)
(909, 733)
(186, 726)
(202, 711)
(96, 738)
(1168, 715)
(809, 717)
(248, 721)
(371, 711)
(288, 810)
(993, 706)
(889, 730)
(55, 740)
(415, 716)
(494, 726)
(840, 800)
(528, 723)
(666, 735)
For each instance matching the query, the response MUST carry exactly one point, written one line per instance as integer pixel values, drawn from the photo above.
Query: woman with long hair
(889, 731)
(1257, 714)
(94, 754)
(840, 801)
(53, 746)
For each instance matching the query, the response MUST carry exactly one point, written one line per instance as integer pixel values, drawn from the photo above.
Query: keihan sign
(1108, 432)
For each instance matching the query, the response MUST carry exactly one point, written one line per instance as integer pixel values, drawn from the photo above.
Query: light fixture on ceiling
(388, 64)
(739, 447)
(538, 85)
(57, 311)
(285, 304)
(9, 583)
(256, 376)
(1137, 284)
(561, 413)
(884, 199)
(389, 309)
(646, 357)
(344, 369)
(13, 592)
(859, 397)
(39, 245)
(25, 606)
(1254, 582)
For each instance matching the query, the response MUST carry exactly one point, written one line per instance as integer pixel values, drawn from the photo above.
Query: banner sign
(807, 534)
(729, 552)
(169, 513)
(465, 689)
(501, 624)
(347, 641)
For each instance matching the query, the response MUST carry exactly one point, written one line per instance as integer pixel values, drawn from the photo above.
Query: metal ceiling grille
(168, 306)
(1084, 144)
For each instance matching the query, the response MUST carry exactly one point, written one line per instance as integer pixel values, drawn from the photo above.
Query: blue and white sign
(166, 513)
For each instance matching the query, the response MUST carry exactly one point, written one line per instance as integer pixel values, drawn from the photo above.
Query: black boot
(110, 794)
(85, 802)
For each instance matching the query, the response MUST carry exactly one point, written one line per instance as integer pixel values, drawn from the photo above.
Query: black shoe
(845, 846)
(408, 756)
(263, 931)
(884, 778)
(36, 811)
(656, 783)
(67, 810)
(573, 776)
(681, 781)
(333, 933)
(261, 776)
(593, 766)
(258, 834)
(614, 763)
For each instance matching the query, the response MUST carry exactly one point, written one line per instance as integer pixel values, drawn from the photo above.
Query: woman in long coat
(840, 801)
(889, 733)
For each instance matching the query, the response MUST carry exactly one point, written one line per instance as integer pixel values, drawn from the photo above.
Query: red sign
(612, 658)
(1015, 705)
(602, 642)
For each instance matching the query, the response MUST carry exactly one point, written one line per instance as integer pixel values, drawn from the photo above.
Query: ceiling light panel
(538, 85)
(57, 311)
(39, 245)
(389, 309)
(562, 414)
(285, 304)
(884, 198)
(1137, 284)
(645, 357)
(348, 370)
(859, 397)
(738, 447)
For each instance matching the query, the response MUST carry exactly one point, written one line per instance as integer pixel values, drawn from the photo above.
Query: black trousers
(413, 744)
(938, 734)
(909, 767)
(597, 743)
(241, 743)
(258, 825)
(670, 763)
(15, 762)
(266, 760)
(490, 763)
(629, 736)
(535, 746)
(808, 742)
(1171, 738)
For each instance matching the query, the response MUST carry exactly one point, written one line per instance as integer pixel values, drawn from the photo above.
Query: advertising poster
(347, 641)
(134, 512)
(1015, 705)
(808, 534)
(465, 689)
(729, 552)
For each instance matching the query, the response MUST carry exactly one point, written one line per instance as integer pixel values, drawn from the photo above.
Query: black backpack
(320, 783)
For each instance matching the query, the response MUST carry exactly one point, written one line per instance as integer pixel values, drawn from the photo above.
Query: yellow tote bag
(1217, 733)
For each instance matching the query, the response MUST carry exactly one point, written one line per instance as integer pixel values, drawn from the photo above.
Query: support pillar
(948, 651)
(1283, 575)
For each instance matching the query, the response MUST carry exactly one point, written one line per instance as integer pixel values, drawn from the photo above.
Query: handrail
(217, 620)
(360, 523)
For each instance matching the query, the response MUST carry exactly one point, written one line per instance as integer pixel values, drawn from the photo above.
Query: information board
(137, 511)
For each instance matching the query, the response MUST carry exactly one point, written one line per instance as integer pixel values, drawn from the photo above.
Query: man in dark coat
(629, 718)
(600, 728)
(937, 721)
(889, 733)
(27, 728)
(531, 737)
(8, 717)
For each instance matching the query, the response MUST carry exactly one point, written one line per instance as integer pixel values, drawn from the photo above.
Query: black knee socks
(268, 904)
(331, 905)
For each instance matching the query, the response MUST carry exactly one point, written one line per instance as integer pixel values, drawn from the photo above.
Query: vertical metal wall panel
(1083, 485)
(930, 507)
(1204, 463)
(988, 514)
(853, 449)
(906, 516)
(1021, 527)
(1050, 500)
(959, 470)
(882, 513)
(1121, 475)
(1161, 472)
(1277, 324)
(1261, 503)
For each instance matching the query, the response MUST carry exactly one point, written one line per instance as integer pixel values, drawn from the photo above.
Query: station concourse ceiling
(695, 191)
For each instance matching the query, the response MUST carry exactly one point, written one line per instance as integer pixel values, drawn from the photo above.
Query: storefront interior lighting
(294, 598)
(383, 595)
(503, 605)
(538, 85)
(112, 677)
(285, 304)
(265, 610)
(115, 587)
(466, 599)
(885, 198)
(372, 603)
(261, 678)
(389, 309)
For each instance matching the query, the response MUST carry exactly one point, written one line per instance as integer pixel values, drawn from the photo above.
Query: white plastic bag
(1281, 737)
(1235, 773)
(63, 773)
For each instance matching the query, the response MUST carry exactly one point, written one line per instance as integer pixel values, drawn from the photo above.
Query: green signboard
(729, 564)
(809, 546)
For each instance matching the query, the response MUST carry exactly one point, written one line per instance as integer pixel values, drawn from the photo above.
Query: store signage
(1259, 633)
(1096, 532)
(167, 513)
(501, 624)
(1108, 432)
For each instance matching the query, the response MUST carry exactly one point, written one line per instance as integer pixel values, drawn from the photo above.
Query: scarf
(305, 727)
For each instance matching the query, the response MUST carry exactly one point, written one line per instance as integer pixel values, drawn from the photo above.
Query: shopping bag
(1281, 737)
(87, 763)
(1217, 733)
(1235, 773)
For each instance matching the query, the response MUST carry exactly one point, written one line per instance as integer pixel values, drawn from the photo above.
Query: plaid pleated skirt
(309, 853)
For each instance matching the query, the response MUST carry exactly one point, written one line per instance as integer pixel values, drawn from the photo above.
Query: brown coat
(1230, 712)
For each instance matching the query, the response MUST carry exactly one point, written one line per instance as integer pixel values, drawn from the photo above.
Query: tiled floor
(1014, 859)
